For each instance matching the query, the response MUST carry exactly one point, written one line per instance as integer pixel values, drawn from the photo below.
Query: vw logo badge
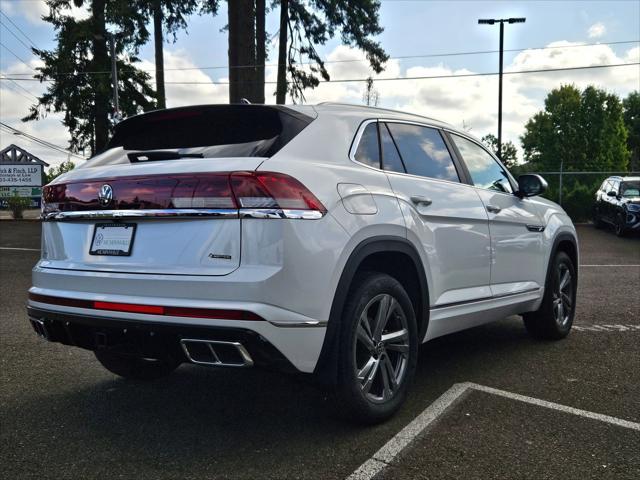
(105, 195)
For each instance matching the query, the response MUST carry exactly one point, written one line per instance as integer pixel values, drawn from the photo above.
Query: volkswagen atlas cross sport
(618, 204)
(329, 239)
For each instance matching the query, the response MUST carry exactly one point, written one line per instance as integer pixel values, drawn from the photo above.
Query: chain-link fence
(576, 191)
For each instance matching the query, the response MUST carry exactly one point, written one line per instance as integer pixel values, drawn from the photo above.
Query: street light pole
(492, 21)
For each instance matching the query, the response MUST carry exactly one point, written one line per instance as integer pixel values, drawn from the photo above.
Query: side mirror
(611, 193)
(530, 185)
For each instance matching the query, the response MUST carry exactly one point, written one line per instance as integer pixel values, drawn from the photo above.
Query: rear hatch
(168, 194)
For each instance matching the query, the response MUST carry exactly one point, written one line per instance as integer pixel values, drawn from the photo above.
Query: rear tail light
(263, 194)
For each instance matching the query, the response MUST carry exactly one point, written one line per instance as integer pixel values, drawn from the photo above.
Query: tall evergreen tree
(79, 69)
(242, 51)
(169, 17)
(304, 24)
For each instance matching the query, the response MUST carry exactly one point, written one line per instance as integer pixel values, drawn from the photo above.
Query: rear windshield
(211, 131)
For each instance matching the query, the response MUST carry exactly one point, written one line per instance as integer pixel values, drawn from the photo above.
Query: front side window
(423, 151)
(390, 157)
(368, 151)
(484, 170)
(630, 189)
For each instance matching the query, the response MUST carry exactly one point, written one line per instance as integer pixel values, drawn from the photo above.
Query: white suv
(329, 239)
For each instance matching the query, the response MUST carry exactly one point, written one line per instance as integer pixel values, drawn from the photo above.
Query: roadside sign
(21, 175)
(20, 191)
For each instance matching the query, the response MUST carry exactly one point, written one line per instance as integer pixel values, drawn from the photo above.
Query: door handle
(420, 200)
(493, 209)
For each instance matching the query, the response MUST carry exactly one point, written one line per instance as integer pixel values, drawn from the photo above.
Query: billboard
(20, 175)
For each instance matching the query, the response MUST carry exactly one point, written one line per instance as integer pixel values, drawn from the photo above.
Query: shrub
(17, 205)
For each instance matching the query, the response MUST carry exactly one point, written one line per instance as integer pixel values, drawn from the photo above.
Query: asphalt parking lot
(63, 416)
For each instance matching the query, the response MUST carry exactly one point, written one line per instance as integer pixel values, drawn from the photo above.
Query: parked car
(618, 204)
(329, 239)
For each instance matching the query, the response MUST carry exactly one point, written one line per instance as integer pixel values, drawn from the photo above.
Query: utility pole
(114, 78)
(502, 21)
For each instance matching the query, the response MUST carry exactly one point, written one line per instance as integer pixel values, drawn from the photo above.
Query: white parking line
(21, 249)
(605, 327)
(402, 439)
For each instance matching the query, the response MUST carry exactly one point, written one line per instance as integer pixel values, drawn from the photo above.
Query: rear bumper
(148, 339)
(268, 345)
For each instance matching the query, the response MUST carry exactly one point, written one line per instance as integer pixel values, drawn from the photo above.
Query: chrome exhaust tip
(216, 353)
(40, 328)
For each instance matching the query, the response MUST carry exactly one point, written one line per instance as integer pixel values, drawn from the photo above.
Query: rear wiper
(153, 155)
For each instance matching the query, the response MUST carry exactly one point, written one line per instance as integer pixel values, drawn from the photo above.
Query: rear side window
(423, 151)
(390, 157)
(368, 151)
(484, 170)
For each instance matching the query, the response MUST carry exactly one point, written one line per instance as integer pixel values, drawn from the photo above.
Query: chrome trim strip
(307, 324)
(140, 214)
(221, 213)
(280, 213)
(485, 299)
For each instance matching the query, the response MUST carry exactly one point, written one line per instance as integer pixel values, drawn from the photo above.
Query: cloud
(186, 93)
(597, 30)
(33, 11)
(469, 102)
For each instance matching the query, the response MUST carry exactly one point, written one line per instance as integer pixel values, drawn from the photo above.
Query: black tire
(546, 323)
(619, 226)
(136, 368)
(366, 401)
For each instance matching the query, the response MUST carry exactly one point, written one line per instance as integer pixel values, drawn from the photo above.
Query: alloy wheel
(381, 348)
(563, 296)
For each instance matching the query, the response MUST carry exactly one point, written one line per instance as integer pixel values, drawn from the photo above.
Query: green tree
(55, 172)
(585, 130)
(304, 24)
(576, 131)
(170, 16)
(79, 69)
(509, 151)
(631, 114)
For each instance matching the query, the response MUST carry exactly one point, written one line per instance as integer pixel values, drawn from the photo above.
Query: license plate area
(112, 239)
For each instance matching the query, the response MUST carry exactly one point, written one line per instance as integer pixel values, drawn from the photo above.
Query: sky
(425, 30)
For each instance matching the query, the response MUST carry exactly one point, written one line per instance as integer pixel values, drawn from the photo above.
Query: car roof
(624, 179)
(377, 112)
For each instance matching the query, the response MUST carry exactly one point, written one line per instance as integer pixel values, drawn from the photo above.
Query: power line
(40, 141)
(24, 90)
(15, 36)
(18, 28)
(401, 57)
(15, 55)
(17, 92)
(387, 79)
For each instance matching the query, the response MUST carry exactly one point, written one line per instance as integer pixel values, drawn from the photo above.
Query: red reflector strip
(129, 307)
(210, 313)
(217, 314)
